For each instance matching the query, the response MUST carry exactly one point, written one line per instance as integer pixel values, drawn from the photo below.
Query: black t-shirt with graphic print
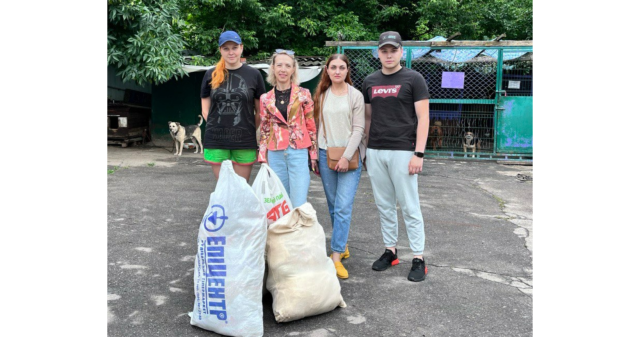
(231, 121)
(393, 114)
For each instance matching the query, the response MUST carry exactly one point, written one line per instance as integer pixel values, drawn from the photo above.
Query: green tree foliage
(147, 38)
(474, 19)
(266, 25)
(206, 19)
(144, 40)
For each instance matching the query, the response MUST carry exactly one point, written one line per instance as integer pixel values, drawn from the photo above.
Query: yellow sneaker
(345, 254)
(340, 270)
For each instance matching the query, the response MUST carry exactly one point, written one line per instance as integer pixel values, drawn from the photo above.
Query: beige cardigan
(357, 139)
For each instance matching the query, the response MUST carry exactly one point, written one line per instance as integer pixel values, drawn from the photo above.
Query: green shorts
(240, 157)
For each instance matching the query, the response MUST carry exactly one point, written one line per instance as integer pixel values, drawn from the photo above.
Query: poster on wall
(453, 80)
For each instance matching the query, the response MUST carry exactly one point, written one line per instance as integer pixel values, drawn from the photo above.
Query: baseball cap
(229, 36)
(392, 38)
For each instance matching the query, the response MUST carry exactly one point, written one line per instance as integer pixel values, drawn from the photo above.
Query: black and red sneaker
(387, 260)
(418, 270)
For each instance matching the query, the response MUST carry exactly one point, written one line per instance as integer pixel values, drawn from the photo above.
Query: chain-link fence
(362, 64)
(449, 124)
(517, 76)
(463, 87)
(453, 78)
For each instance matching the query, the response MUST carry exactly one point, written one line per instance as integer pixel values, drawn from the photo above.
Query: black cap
(392, 38)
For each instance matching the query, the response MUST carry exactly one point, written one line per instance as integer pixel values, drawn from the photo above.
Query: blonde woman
(287, 127)
(339, 111)
(230, 95)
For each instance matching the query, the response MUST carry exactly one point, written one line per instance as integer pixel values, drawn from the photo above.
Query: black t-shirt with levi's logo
(393, 114)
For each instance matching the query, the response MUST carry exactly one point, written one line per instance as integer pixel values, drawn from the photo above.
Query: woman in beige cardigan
(339, 114)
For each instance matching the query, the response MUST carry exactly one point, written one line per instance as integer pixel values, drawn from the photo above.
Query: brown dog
(470, 141)
(436, 134)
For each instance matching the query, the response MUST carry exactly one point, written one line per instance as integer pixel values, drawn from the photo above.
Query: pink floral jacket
(299, 130)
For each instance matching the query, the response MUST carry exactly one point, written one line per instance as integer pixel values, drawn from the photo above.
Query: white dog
(180, 133)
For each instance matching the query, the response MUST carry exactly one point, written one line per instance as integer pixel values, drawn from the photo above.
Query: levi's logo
(385, 91)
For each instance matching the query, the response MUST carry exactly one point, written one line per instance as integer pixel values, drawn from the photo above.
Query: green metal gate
(481, 87)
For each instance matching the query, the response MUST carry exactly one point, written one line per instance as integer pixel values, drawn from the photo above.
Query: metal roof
(303, 61)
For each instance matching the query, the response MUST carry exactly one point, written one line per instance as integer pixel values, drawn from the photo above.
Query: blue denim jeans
(292, 168)
(340, 190)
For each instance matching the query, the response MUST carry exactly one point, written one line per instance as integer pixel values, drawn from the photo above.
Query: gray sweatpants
(391, 183)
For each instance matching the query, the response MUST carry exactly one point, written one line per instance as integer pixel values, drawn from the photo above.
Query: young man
(397, 123)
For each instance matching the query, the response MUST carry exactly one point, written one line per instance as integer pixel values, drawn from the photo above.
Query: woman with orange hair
(230, 96)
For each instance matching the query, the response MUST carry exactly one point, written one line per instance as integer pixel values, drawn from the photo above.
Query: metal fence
(482, 88)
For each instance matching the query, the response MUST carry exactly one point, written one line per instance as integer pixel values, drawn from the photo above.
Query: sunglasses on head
(286, 51)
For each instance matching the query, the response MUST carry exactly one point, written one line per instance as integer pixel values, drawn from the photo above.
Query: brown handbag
(335, 153)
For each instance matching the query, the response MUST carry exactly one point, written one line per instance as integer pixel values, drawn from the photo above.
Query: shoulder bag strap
(350, 107)
(324, 128)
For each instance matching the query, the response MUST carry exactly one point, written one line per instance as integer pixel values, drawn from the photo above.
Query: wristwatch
(419, 154)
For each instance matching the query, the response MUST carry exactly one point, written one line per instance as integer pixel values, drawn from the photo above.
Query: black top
(282, 101)
(231, 121)
(393, 115)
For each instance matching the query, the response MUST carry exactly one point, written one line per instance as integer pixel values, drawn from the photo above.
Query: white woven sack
(302, 279)
(229, 266)
(271, 193)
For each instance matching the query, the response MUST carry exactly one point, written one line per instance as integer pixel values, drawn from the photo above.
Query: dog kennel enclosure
(481, 87)
(127, 124)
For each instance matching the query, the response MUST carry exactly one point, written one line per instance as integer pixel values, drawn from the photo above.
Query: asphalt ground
(478, 222)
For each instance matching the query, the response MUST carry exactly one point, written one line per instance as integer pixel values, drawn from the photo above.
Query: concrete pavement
(478, 221)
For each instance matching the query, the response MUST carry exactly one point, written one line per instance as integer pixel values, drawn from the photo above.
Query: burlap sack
(302, 279)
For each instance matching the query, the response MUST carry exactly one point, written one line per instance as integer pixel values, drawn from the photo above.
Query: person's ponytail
(219, 74)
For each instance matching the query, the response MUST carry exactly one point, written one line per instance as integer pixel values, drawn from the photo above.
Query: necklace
(283, 95)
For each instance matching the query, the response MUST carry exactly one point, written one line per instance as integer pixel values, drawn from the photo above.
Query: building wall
(116, 88)
(176, 101)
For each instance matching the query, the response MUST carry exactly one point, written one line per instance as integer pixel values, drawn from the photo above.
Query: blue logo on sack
(216, 277)
(215, 219)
